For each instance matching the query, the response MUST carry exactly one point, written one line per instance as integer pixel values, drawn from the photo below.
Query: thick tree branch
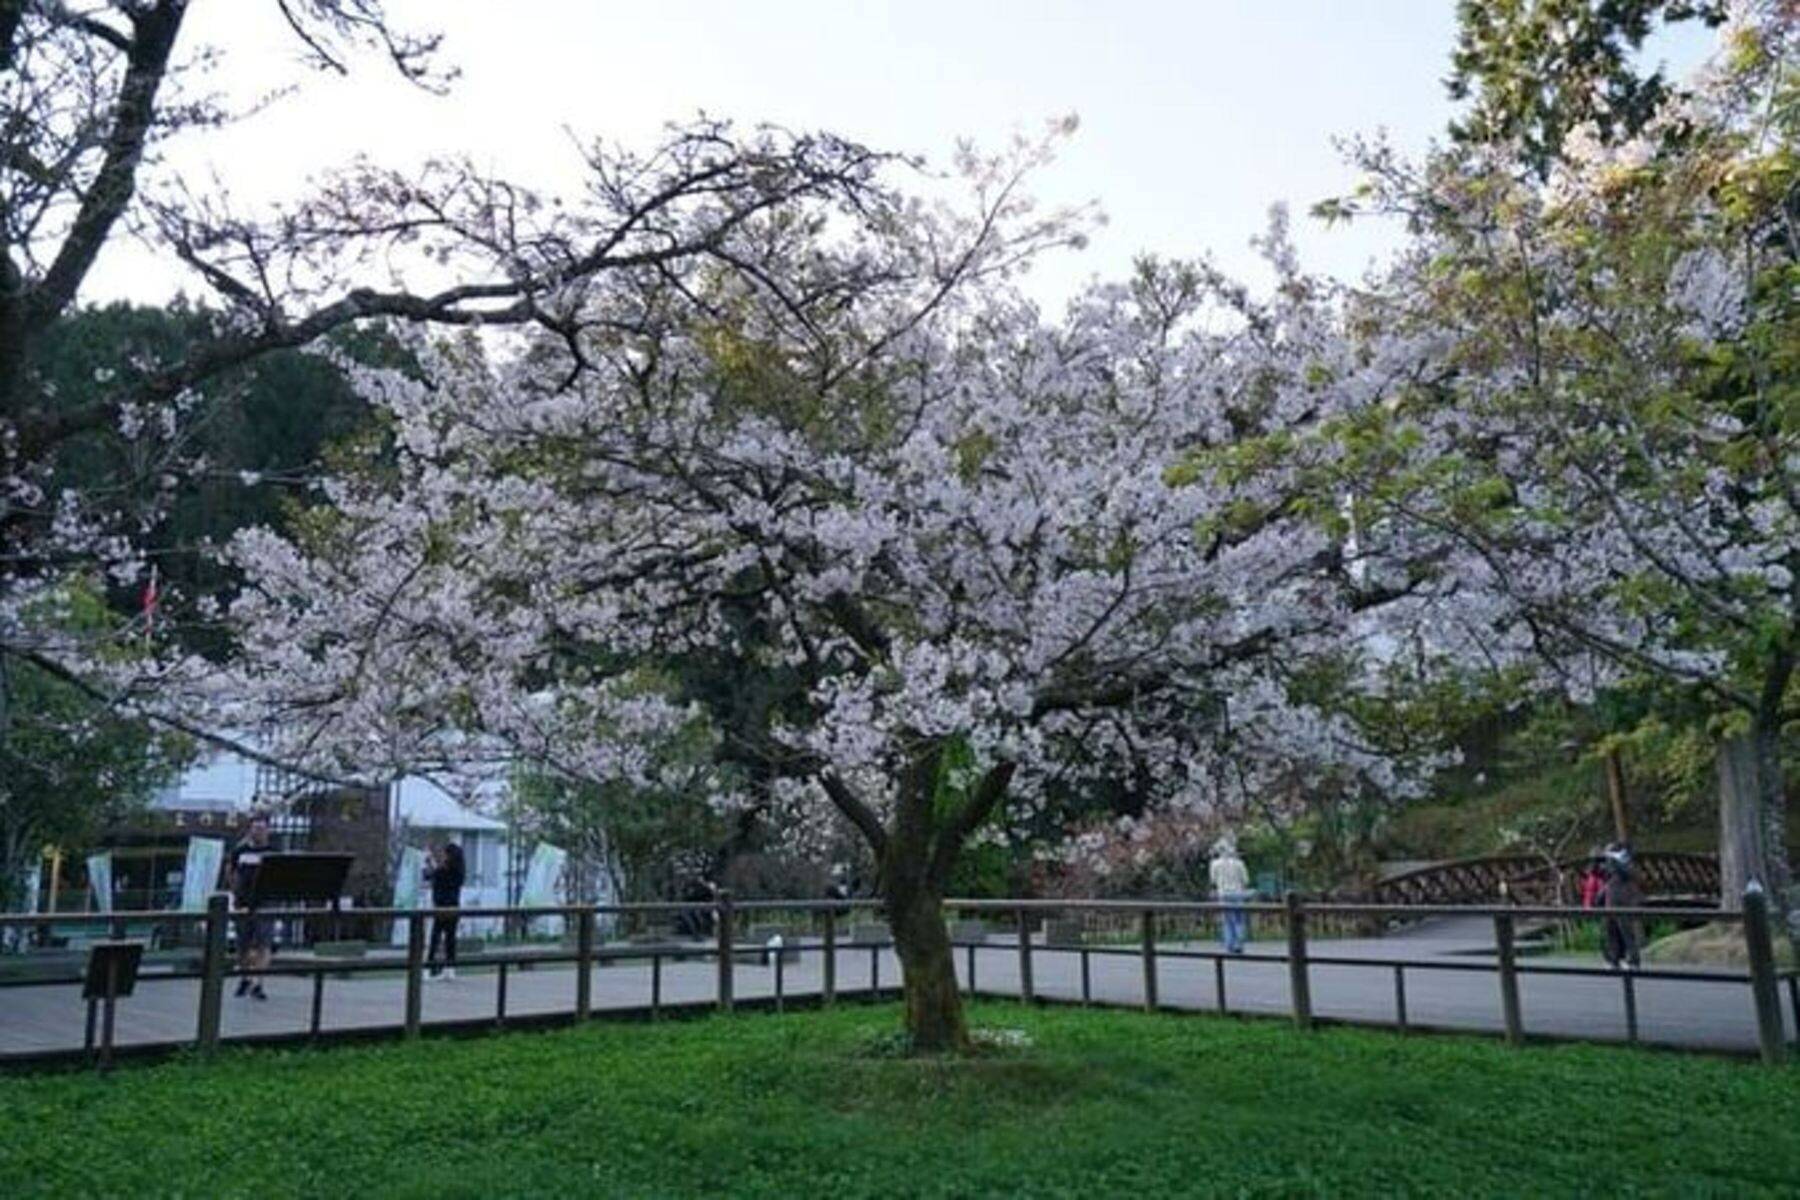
(514, 301)
(134, 113)
(217, 740)
(860, 814)
(1120, 692)
(92, 27)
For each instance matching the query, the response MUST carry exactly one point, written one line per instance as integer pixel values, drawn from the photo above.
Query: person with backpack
(446, 871)
(1624, 935)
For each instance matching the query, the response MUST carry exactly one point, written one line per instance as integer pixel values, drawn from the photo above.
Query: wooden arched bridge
(1529, 880)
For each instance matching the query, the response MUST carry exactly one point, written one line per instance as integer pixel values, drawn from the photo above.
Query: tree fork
(917, 853)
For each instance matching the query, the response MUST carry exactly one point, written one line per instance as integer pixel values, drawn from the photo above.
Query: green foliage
(751, 374)
(1543, 777)
(262, 431)
(1538, 69)
(1104, 1103)
(651, 834)
(956, 777)
(1472, 817)
(1570, 299)
(70, 765)
(984, 870)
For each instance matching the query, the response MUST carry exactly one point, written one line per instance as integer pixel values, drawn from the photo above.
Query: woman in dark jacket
(1624, 936)
(447, 872)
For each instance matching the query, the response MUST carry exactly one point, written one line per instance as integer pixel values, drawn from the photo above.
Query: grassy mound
(1089, 1103)
(1720, 944)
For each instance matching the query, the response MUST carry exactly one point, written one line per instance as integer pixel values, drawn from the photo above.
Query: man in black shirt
(447, 872)
(255, 934)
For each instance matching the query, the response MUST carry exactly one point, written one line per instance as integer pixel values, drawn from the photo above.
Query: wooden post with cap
(1763, 986)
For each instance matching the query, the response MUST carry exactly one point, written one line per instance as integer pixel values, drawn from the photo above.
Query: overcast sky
(1195, 116)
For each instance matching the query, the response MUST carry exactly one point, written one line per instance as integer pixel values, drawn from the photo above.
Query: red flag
(150, 598)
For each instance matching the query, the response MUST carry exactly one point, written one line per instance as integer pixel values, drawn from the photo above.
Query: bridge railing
(1500, 878)
(770, 953)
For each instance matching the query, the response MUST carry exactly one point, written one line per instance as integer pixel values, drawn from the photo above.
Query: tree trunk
(934, 1011)
(1741, 856)
(1774, 799)
(1615, 792)
(920, 848)
(12, 878)
(1784, 898)
(916, 853)
(1753, 826)
(21, 854)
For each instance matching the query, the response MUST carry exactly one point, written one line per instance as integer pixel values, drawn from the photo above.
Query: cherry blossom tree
(990, 549)
(93, 91)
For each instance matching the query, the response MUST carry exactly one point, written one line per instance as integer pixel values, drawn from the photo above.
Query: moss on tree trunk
(934, 815)
(934, 1010)
(1753, 826)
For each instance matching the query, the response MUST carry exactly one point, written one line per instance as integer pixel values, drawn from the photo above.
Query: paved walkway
(1444, 984)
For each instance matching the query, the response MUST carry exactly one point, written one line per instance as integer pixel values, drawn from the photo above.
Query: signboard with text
(201, 874)
(541, 878)
(407, 882)
(99, 868)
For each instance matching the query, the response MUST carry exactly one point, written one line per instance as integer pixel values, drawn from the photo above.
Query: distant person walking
(697, 922)
(1624, 935)
(255, 933)
(839, 888)
(447, 871)
(1231, 885)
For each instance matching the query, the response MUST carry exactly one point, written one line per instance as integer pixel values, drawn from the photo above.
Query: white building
(425, 814)
(145, 862)
(213, 797)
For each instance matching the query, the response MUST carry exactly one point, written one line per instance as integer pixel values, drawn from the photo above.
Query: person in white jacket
(1231, 886)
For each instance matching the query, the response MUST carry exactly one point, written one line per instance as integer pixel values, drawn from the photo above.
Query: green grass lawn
(1104, 1104)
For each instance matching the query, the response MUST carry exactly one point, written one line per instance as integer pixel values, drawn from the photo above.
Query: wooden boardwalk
(48, 1019)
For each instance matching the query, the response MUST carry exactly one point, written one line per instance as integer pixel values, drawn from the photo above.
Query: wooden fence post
(1509, 979)
(1026, 992)
(415, 963)
(831, 955)
(722, 912)
(112, 1005)
(1299, 985)
(1149, 940)
(1763, 986)
(212, 970)
(584, 964)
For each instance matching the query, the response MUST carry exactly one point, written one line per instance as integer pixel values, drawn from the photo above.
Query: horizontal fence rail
(648, 959)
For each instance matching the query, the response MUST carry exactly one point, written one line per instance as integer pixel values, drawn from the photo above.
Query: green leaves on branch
(957, 775)
(1537, 70)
